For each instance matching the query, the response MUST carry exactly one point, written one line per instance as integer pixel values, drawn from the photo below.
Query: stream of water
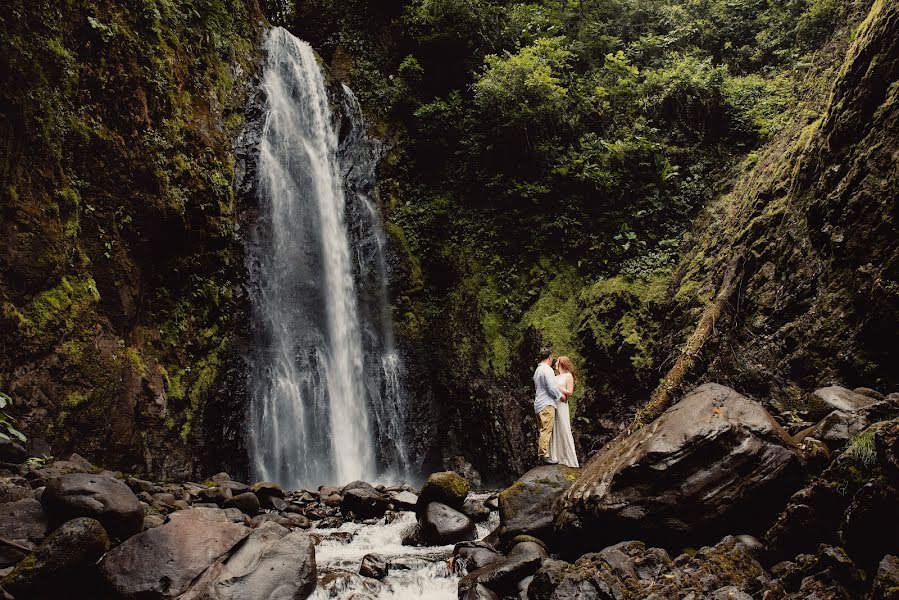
(327, 402)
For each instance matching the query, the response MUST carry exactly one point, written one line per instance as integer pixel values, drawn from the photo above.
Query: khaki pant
(546, 418)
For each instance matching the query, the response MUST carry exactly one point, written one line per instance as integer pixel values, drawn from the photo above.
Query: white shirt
(546, 392)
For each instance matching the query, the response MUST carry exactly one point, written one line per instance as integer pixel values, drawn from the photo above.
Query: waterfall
(322, 399)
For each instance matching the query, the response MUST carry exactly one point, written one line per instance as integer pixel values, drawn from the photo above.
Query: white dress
(561, 446)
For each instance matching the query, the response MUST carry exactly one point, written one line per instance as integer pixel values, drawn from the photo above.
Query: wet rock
(247, 503)
(835, 429)
(364, 502)
(374, 566)
(14, 488)
(715, 461)
(492, 502)
(267, 488)
(479, 592)
(103, 498)
(24, 523)
(870, 525)
(840, 398)
(217, 495)
(503, 576)
(56, 564)
(260, 520)
(475, 510)
(163, 561)
(441, 524)
(886, 582)
(403, 500)
(12, 452)
(526, 506)
(445, 487)
(870, 393)
(730, 592)
(358, 485)
(333, 500)
(271, 563)
(476, 555)
(151, 521)
(297, 521)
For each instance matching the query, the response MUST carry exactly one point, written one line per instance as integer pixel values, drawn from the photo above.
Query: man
(546, 397)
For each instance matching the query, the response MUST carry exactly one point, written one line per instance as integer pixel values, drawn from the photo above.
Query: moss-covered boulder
(57, 563)
(526, 506)
(446, 487)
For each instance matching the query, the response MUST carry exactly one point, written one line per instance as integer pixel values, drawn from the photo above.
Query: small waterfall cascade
(327, 404)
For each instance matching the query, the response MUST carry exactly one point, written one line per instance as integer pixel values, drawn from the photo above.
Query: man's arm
(549, 384)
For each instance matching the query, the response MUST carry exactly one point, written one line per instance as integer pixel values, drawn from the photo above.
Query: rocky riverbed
(715, 499)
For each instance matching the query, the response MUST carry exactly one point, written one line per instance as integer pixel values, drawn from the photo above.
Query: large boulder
(715, 462)
(526, 506)
(59, 561)
(502, 576)
(440, 524)
(163, 561)
(363, 502)
(476, 555)
(96, 496)
(840, 398)
(272, 563)
(23, 523)
(446, 487)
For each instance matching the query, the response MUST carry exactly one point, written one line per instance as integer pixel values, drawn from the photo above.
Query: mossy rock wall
(119, 264)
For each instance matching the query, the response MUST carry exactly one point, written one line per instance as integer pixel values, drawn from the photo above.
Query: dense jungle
(297, 243)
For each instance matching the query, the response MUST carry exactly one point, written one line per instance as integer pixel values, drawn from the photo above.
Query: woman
(561, 447)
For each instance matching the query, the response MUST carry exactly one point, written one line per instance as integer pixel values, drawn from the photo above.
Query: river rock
(526, 506)
(162, 562)
(103, 498)
(56, 564)
(403, 500)
(835, 429)
(843, 399)
(502, 577)
(479, 592)
(364, 502)
(374, 566)
(476, 555)
(886, 583)
(272, 563)
(247, 503)
(14, 488)
(714, 462)
(440, 524)
(12, 452)
(41, 476)
(445, 487)
(24, 523)
(475, 510)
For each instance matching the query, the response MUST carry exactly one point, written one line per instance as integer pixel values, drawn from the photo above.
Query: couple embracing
(553, 389)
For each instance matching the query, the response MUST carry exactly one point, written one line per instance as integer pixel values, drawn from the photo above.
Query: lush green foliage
(537, 147)
(8, 430)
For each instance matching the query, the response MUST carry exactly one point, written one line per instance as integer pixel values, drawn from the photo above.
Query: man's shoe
(548, 461)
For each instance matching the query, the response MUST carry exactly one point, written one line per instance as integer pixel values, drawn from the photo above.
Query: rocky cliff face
(119, 265)
(813, 229)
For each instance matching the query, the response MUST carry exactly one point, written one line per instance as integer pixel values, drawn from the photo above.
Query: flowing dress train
(561, 446)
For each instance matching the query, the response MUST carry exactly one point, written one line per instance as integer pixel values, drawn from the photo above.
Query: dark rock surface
(446, 487)
(439, 524)
(247, 503)
(96, 496)
(24, 523)
(60, 562)
(503, 576)
(364, 502)
(163, 561)
(271, 563)
(715, 461)
(374, 566)
(526, 506)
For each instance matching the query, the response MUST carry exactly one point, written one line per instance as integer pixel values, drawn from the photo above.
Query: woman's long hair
(566, 364)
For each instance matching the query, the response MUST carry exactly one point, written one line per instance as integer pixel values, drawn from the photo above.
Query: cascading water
(322, 331)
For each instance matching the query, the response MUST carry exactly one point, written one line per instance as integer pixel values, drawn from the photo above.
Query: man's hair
(545, 352)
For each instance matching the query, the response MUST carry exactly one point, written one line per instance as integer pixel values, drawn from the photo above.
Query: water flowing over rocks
(683, 477)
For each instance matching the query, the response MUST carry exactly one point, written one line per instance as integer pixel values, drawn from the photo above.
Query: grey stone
(103, 498)
(714, 462)
(526, 506)
(163, 561)
(247, 502)
(440, 524)
(24, 523)
(374, 566)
